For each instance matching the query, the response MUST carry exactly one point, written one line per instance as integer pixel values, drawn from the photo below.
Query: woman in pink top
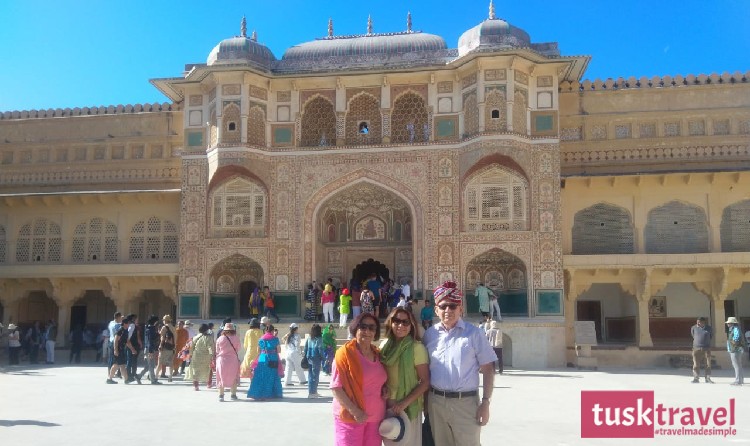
(228, 361)
(328, 299)
(358, 385)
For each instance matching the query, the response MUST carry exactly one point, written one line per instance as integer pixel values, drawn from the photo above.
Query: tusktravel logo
(633, 414)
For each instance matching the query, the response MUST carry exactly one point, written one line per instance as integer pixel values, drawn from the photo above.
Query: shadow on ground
(11, 423)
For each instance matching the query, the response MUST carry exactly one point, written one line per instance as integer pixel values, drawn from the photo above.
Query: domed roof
(493, 32)
(365, 45)
(241, 49)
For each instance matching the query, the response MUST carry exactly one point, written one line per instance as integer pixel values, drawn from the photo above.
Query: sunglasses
(396, 321)
(446, 306)
(367, 327)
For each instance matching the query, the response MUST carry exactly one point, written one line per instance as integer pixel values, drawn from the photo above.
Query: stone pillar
(63, 323)
(642, 323)
(718, 318)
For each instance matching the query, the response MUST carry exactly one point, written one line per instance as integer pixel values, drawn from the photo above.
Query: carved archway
(316, 207)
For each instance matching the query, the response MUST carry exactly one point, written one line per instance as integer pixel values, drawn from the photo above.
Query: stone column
(643, 296)
(642, 323)
(63, 323)
(718, 318)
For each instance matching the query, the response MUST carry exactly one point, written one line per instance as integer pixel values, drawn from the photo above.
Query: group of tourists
(411, 386)
(30, 342)
(737, 343)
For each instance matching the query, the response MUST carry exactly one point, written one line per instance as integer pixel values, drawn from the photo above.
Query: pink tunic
(227, 361)
(374, 376)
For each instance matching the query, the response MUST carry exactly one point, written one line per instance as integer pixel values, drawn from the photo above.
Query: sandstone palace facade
(624, 202)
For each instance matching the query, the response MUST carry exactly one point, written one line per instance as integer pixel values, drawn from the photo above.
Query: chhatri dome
(493, 33)
(370, 44)
(241, 50)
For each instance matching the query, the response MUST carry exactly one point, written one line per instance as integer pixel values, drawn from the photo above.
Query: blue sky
(66, 53)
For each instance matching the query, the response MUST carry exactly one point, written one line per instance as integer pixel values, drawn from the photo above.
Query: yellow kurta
(251, 350)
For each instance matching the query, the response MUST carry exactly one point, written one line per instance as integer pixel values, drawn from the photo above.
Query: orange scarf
(350, 373)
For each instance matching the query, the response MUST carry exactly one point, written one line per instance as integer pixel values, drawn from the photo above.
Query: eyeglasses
(396, 321)
(367, 327)
(446, 306)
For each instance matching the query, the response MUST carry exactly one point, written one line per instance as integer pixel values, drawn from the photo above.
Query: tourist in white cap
(293, 356)
(735, 349)
(14, 344)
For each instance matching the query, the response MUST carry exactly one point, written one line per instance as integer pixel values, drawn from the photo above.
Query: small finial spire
(330, 27)
(408, 22)
(369, 24)
(243, 27)
(254, 38)
(492, 11)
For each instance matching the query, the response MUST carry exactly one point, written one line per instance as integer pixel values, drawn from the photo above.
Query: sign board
(585, 332)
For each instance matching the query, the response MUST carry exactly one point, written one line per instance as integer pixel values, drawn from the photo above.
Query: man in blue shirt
(735, 349)
(459, 352)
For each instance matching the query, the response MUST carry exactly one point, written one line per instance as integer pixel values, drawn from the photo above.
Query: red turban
(447, 292)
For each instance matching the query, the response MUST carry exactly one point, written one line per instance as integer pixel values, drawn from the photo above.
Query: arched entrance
(361, 229)
(229, 283)
(37, 306)
(506, 275)
(93, 310)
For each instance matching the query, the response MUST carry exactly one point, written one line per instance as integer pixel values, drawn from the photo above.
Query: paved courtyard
(72, 405)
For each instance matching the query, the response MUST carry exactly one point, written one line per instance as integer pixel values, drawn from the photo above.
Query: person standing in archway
(328, 299)
(374, 285)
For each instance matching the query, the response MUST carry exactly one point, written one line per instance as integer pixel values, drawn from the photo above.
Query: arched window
(602, 229)
(256, 126)
(409, 119)
(735, 227)
(153, 240)
(496, 199)
(39, 241)
(239, 209)
(318, 123)
(676, 228)
(95, 241)
(363, 120)
(471, 114)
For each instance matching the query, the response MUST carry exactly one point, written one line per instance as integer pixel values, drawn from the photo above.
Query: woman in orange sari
(358, 385)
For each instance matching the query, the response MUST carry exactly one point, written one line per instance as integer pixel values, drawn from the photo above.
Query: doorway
(78, 316)
(246, 289)
(591, 310)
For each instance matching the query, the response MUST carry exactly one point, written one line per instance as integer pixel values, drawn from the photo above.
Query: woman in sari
(201, 352)
(407, 364)
(329, 348)
(266, 381)
(227, 361)
(252, 336)
(358, 386)
(256, 304)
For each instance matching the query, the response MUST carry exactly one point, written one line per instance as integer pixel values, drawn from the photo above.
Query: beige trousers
(454, 420)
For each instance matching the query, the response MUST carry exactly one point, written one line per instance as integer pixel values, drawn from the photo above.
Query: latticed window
(2, 244)
(363, 109)
(471, 115)
(519, 111)
(496, 199)
(239, 208)
(319, 123)
(409, 119)
(153, 240)
(39, 241)
(676, 228)
(602, 229)
(230, 119)
(495, 111)
(735, 227)
(256, 127)
(95, 241)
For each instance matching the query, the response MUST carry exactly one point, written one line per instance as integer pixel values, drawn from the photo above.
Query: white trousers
(342, 319)
(294, 364)
(328, 312)
(495, 308)
(50, 347)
